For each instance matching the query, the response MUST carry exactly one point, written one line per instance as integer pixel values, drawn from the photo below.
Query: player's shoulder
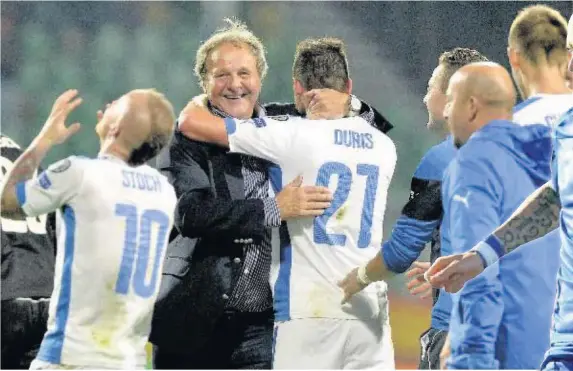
(436, 160)
(156, 173)
(70, 165)
(564, 126)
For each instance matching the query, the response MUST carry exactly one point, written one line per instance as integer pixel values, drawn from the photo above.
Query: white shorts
(42, 365)
(332, 343)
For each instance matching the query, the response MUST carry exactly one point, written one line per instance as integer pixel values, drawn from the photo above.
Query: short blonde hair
(235, 33)
(540, 32)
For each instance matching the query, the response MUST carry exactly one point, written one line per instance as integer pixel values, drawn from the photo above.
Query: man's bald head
(477, 94)
(141, 122)
(489, 83)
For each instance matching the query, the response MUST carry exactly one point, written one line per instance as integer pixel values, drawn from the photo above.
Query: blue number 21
(136, 248)
(340, 195)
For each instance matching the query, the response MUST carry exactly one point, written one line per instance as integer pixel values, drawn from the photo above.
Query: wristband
(489, 250)
(362, 277)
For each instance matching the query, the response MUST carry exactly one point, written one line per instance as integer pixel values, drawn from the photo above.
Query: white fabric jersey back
(356, 162)
(542, 109)
(113, 227)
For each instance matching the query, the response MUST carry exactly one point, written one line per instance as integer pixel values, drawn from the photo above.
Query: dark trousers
(432, 341)
(24, 323)
(239, 341)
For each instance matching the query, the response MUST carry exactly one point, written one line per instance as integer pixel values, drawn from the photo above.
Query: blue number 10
(340, 195)
(136, 246)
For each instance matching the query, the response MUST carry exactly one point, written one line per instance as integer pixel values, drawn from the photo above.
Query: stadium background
(105, 49)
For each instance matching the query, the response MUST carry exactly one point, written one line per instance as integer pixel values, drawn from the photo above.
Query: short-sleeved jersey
(542, 109)
(356, 162)
(113, 224)
(562, 331)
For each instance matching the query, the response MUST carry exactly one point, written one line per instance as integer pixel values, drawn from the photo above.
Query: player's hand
(55, 130)
(417, 285)
(350, 285)
(452, 272)
(327, 104)
(296, 200)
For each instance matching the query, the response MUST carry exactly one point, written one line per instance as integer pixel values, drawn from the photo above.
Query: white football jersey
(356, 162)
(113, 227)
(542, 109)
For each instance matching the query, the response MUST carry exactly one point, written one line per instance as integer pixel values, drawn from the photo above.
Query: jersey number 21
(340, 196)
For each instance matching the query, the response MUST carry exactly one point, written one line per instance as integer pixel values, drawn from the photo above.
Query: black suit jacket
(200, 270)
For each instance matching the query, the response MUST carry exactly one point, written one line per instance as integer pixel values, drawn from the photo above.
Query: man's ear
(297, 87)
(349, 86)
(514, 57)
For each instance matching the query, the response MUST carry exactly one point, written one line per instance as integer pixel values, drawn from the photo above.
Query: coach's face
(232, 82)
(458, 110)
(435, 100)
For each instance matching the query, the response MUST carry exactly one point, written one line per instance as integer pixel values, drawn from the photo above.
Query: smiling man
(216, 292)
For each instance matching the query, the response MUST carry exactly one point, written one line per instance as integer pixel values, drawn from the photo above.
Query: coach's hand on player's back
(296, 200)
(55, 130)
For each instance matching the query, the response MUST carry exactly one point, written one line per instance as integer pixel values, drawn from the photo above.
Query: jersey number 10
(136, 249)
(340, 196)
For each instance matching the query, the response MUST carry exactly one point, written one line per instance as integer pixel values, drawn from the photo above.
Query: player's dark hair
(540, 33)
(321, 63)
(453, 60)
(148, 150)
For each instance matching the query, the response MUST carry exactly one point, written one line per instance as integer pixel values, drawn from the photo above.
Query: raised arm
(53, 132)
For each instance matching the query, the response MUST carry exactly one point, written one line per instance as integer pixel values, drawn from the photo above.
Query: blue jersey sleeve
(415, 227)
(423, 212)
(473, 203)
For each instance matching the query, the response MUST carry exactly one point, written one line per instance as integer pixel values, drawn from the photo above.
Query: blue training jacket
(502, 318)
(420, 221)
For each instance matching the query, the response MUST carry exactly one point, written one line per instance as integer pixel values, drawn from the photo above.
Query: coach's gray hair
(235, 33)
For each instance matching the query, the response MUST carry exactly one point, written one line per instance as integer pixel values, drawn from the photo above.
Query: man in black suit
(215, 305)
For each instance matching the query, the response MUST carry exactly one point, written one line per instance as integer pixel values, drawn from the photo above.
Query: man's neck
(110, 147)
(546, 80)
(219, 112)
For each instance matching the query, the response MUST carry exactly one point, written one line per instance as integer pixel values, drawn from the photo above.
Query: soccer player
(356, 161)
(28, 259)
(115, 214)
(545, 209)
(538, 55)
(422, 215)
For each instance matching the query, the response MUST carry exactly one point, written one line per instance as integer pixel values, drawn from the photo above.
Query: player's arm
(260, 137)
(537, 216)
(410, 234)
(478, 309)
(198, 123)
(18, 181)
